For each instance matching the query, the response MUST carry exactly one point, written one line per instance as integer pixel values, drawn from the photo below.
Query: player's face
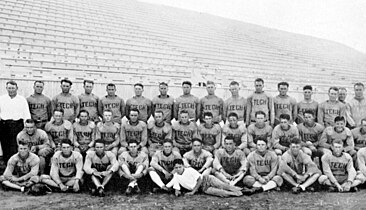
(284, 123)
(295, 148)
(88, 87)
(58, 116)
(307, 94)
(342, 95)
(261, 146)
(111, 90)
(167, 148)
(84, 117)
(210, 89)
(184, 118)
(65, 87)
(179, 168)
(208, 120)
(339, 125)
(12, 89)
(38, 87)
(258, 86)
(30, 128)
(283, 90)
(337, 149)
(23, 150)
(234, 89)
(134, 116)
(163, 89)
(229, 145)
(309, 118)
(158, 117)
(359, 90)
(197, 146)
(66, 149)
(132, 148)
(99, 148)
(138, 90)
(233, 122)
(260, 119)
(186, 89)
(107, 116)
(363, 125)
(333, 95)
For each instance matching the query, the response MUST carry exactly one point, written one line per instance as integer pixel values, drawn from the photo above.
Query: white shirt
(14, 108)
(187, 180)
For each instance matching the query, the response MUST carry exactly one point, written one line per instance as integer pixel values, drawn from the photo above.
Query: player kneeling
(100, 165)
(263, 165)
(230, 163)
(297, 168)
(198, 158)
(193, 181)
(339, 173)
(133, 166)
(66, 169)
(162, 165)
(22, 169)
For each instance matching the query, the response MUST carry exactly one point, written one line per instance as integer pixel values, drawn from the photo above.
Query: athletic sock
(156, 178)
(270, 185)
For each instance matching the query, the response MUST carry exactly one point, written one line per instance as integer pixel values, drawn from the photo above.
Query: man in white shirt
(191, 180)
(14, 111)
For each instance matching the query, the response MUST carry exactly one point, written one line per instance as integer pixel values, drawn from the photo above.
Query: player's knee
(121, 150)
(2, 178)
(322, 179)
(246, 151)
(249, 181)
(361, 177)
(307, 151)
(77, 150)
(278, 179)
(278, 152)
(176, 149)
(44, 177)
(145, 150)
(45, 152)
(34, 179)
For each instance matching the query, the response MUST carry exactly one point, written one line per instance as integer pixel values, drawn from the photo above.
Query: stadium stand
(127, 41)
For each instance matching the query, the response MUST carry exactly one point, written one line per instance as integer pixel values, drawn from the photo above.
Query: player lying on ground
(297, 168)
(191, 180)
(100, 165)
(263, 165)
(133, 166)
(66, 169)
(22, 169)
(339, 173)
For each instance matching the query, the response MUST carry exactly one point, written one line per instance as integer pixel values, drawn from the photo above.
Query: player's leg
(360, 179)
(46, 179)
(140, 172)
(278, 152)
(307, 151)
(214, 186)
(121, 150)
(289, 179)
(126, 174)
(207, 171)
(43, 155)
(246, 151)
(156, 178)
(311, 180)
(239, 178)
(221, 176)
(276, 181)
(324, 180)
(114, 150)
(9, 184)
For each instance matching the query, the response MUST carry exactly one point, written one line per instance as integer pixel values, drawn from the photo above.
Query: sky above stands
(342, 21)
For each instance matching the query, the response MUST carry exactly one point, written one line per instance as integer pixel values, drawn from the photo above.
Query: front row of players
(198, 171)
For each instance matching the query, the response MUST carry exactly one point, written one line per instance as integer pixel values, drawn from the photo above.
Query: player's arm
(224, 111)
(54, 172)
(250, 139)
(91, 144)
(100, 108)
(216, 163)
(149, 109)
(175, 110)
(284, 167)
(199, 183)
(70, 131)
(114, 163)
(185, 161)
(221, 110)
(298, 115)
(321, 114)
(77, 106)
(79, 166)
(117, 137)
(45, 141)
(253, 170)
(274, 167)
(323, 140)
(128, 107)
(294, 109)
(174, 137)
(123, 137)
(143, 137)
(75, 138)
(149, 136)
(198, 109)
(349, 114)
(8, 173)
(217, 137)
(243, 163)
(54, 103)
(34, 165)
(343, 111)
(123, 109)
(249, 110)
(271, 110)
(327, 171)
(244, 140)
(319, 136)
(311, 167)
(88, 163)
(276, 140)
(349, 142)
(169, 132)
(155, 164)
(49, 110)
(361, 161)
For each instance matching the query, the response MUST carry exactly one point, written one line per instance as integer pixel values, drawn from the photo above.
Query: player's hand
(167, 175)
(97, 174)
(189, 193)
(76, 186)
(302, 178)
(63, 187)
(33, 149)
(298, 179)
(347, 186)
(177, 193)
(262, 180)
(14, 179)
(339, 187)
(109, 147)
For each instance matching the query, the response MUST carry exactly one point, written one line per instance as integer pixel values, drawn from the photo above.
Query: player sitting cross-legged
(198, 158)
(66, 169)
(263, 165)
(100, 165)
(297, 168)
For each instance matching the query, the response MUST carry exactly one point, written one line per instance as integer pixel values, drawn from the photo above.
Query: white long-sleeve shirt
(14, 108)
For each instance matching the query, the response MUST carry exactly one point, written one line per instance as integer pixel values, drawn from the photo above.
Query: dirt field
(115, 200)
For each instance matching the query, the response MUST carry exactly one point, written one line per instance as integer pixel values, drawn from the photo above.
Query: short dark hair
(233, 114)
(184, 111)
(234, 83)
(307, 87)
(59, 109)
(209, 82)
(139, 84)
(83, 111)
(285, 116)
(23, 143)
(259, 80)
(196, 140)
(282, 83)
(38, 81)
(295, 141)
(308, 111)
(66, 141)
(229, 138)
(338, 141)
(187, 83)
(159, 111)
(342, 88)
(99, 141)
(333, 88)
(178, 161)
(260, 139)
(111, 85)
(88, 81)
(66, 80)
(31, 121)
(108, 110)
(168, 141)
(11, 82)
(207, 114)
(134, 110)
(163, 83)
(132, 142)
(339, 118)
(358, 84)
(260, 112)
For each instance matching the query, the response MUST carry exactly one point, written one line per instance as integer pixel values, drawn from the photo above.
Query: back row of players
(149, 138)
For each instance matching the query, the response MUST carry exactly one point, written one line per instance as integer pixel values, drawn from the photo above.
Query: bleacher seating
(125, 41)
